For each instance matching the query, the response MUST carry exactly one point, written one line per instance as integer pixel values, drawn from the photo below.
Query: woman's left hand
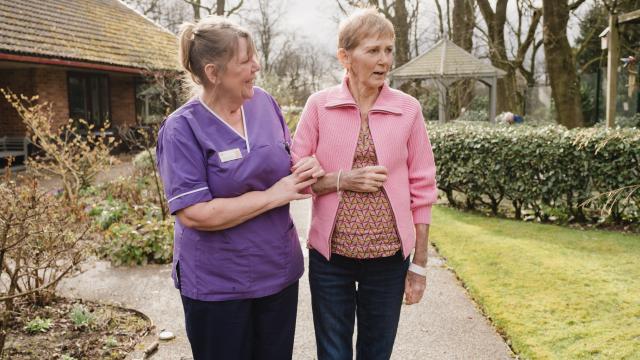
(308, 167)
(414, 286)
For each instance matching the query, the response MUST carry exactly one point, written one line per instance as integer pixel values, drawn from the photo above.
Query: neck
(365, 96)
(220, 102)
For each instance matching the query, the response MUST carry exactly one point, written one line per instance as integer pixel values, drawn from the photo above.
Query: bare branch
(235, 8)
(575, 5)
(524, 46)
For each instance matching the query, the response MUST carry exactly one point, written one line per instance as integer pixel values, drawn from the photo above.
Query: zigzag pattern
(365, 227)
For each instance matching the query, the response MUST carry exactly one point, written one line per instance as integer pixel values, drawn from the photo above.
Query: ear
(344, 58)
(211, 72)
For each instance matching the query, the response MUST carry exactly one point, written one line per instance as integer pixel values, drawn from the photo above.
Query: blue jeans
(337, 301)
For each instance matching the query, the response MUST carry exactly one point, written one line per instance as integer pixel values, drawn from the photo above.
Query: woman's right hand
(288, 189)
(366, 179)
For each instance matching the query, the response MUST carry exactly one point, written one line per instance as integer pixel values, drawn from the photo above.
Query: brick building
(86, 57)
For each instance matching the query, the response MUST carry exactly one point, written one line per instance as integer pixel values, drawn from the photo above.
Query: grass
(554, 292)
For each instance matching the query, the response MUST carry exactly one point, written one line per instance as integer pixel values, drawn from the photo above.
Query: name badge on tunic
(229, 155)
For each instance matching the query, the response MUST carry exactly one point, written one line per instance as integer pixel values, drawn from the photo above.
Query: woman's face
(239, 74)
(370, 61)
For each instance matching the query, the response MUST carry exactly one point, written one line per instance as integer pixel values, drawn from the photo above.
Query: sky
(316, 21)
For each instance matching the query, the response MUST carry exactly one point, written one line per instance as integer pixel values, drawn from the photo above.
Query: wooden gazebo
(444, 64)
(613, 45)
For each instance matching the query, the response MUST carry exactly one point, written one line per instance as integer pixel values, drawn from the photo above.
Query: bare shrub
(75, 153)
(41, 242)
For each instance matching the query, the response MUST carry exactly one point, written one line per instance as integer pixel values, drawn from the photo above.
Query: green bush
(132, 227)
(479, 103)
(109, 212)
(474, 115)
(624, 121)
(542, 172)
(148, 242)
(81, 317)
(38, 325)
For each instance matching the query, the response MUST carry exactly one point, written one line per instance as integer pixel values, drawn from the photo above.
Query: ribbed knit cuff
(422, 215)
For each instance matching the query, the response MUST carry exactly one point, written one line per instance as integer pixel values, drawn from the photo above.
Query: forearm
(422, 245)
(224, 213)
(326, 184)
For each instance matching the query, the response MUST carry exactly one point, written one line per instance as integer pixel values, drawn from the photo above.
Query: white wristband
(417, 269)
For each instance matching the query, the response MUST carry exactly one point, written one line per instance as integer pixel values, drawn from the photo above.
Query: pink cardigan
(329, 127)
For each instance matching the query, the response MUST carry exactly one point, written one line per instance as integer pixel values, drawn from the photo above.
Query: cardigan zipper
(335, 218)
(384, 191)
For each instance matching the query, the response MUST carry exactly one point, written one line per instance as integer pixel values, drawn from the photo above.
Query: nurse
(225, 164)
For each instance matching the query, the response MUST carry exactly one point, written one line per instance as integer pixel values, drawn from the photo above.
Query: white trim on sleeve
(187, 193)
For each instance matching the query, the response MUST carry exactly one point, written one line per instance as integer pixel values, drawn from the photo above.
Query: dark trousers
(250, 329)
(336, 301)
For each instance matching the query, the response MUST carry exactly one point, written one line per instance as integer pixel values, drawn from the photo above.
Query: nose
(385, 57)
(256, 65)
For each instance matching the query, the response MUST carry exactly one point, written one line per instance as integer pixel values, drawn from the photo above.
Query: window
(150, 108)
(89, 98)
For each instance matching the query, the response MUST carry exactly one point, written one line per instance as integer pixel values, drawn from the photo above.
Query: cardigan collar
(340, 96)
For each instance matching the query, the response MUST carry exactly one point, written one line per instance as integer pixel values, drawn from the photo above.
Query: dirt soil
(104, 332)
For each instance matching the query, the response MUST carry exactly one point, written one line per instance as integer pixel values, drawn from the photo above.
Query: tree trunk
(220, 7)
(508, 97)
(463, 23)
(400, 21)
(441, 20)
(561, 65)
(462, 35)
(195, 5)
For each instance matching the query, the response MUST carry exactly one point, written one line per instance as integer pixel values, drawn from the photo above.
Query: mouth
(379, 73)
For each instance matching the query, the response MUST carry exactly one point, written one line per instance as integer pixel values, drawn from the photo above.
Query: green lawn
(557, 293)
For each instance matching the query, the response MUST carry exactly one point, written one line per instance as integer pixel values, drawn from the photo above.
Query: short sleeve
(181, 165)
(283, 121)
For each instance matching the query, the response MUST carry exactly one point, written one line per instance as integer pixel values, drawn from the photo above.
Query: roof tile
(101, 31)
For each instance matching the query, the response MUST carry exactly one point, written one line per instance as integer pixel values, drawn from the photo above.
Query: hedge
(543, 172)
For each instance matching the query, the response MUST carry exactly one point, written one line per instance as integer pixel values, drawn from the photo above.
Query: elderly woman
(373, 206)
(225, 164)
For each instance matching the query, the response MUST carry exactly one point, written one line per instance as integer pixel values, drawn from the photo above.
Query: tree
(510, 98)
(561, 64)
(266, 30)
(463, 23)
(166, 13)
(217, 7)
(402, 19)
(440, 17)
(296, 72)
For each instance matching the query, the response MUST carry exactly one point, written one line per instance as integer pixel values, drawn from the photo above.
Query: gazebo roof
(446, 60)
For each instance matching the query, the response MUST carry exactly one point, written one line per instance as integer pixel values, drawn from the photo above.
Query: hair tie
(193, 34)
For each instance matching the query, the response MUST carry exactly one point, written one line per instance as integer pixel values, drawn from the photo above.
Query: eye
(373, 51)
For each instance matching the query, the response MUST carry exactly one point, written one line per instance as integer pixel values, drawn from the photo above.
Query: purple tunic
(257, 258)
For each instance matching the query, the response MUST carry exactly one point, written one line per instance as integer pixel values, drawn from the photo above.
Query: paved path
(445, 325)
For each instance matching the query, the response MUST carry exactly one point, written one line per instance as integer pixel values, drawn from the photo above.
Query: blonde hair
(212, 40)
(362, 24)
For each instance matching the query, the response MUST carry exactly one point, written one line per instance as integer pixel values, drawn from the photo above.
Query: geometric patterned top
(365, 226)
